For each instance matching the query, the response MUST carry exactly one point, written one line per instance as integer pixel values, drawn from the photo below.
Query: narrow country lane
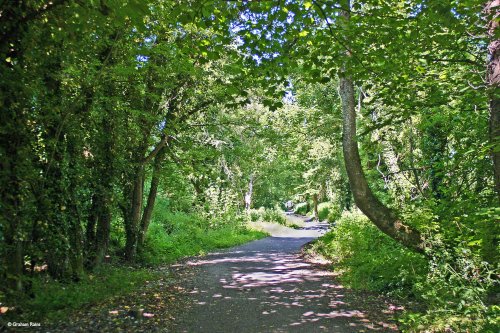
(267, 286)
(264, 286)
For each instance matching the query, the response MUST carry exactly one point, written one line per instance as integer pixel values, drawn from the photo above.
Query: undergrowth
(171, 236)
(452, 285)
(327, 211)
(368, 259)
(271, 215)
(55, 300)
(302, 208)
(177, 235)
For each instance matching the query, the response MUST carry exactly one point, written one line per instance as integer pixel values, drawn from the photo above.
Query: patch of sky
(161, 125)
(289, 97)
(141, 60)
(416, 10)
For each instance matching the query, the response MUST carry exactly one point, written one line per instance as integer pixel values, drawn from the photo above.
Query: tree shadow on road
(280, 292)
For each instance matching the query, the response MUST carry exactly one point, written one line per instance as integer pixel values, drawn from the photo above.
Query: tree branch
(163, 142)
(34, 14)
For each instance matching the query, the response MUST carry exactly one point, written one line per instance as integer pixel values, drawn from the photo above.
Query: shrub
(301, 208)
(230, 218)
(328, 211)
(175, 235)
(368, 258)
(453, 282)
(274, 215)
(334, 214)
(255, 215)
(455, 290)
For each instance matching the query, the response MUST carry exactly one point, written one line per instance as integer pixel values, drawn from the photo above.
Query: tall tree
(493, 82)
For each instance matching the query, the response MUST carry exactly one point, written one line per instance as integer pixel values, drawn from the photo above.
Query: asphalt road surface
(267, 286)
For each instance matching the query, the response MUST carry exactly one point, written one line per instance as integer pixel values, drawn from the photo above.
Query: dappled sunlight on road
(274, 269)
(266, 286)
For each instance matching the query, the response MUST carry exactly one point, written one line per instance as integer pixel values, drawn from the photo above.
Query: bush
(230, 218)
(301, 208)
(334, 214)
(463, 270)
(172, 236)
(271, 215)
(455, 290)
(328, 211)
(255, 215)
(369, 259)
(452, 282)
(274, 215)
(173, 222)
(323, 210)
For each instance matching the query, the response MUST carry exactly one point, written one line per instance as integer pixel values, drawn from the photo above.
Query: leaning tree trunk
(493, 81)
(384, 218)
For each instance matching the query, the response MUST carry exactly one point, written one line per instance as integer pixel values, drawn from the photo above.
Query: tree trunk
(412, 161)
(133, 215)
(75, 220)
(10, 214)
(435, 148)
(103, 231)
(315, 208)
(384, 218)
(14, 262)
(248, 195)
(57, 195)
(494, 138)
(399, 184)
(75, 240)
(16, 155)
(493, 81)
(153, 191)
(15, 164)
(90, 233)
(347, 200)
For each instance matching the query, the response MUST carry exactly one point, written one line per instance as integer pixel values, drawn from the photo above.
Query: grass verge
(368, 259)
(163, 247)
(168, 240)
(56, 300)
(449, 288)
